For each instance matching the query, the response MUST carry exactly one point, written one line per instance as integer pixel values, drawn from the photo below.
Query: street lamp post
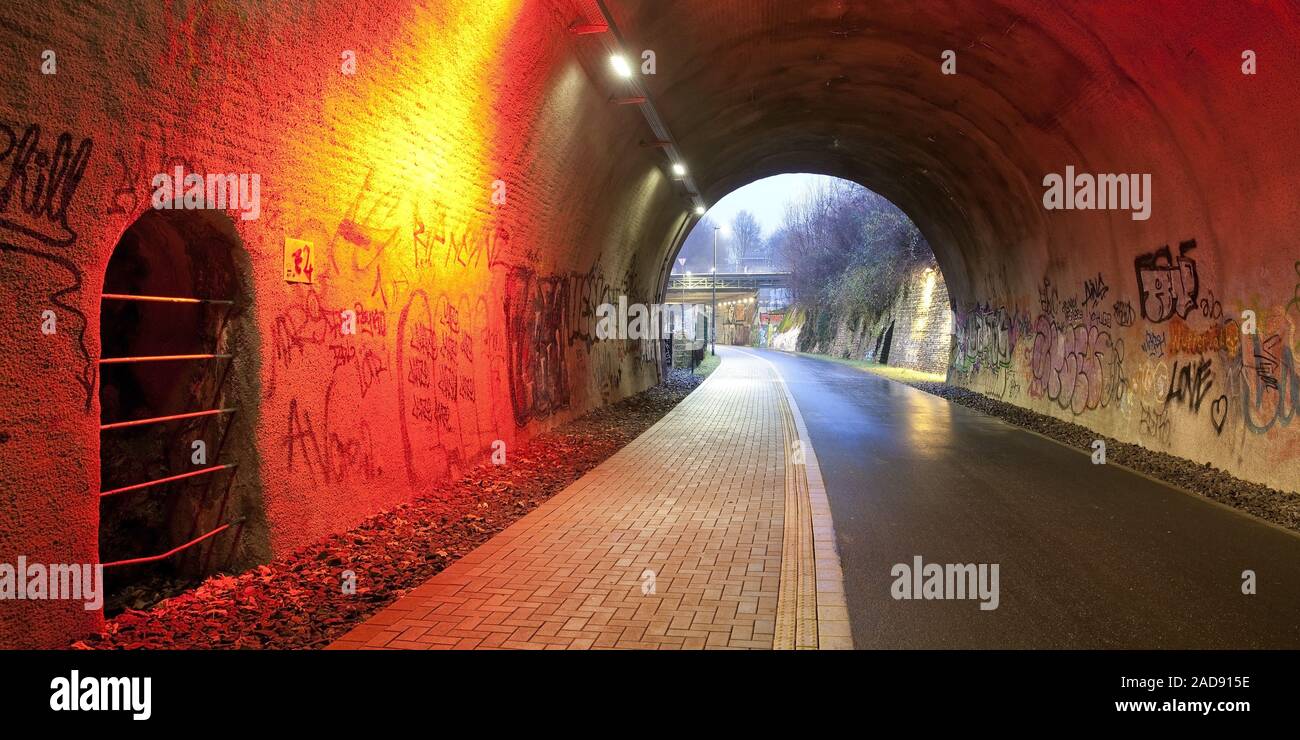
(713, 275)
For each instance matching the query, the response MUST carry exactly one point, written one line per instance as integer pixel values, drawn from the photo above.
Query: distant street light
(713, 278)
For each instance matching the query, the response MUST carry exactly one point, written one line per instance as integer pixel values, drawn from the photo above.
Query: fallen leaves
(299, 600)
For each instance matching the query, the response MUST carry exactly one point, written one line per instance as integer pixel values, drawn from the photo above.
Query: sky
(765, 199)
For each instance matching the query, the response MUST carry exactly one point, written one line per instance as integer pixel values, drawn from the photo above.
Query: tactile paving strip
(796, 607)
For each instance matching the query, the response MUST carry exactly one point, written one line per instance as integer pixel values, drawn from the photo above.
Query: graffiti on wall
(460, 339)
(132, 170)
(545, 316)
(1189, 383)
(537, 339)
(1168, 286)
(986, 341)
(1074, 360)
(1155, 425)
(40, 186)
(1271, 384)
(1195, 368)
(1079, 366)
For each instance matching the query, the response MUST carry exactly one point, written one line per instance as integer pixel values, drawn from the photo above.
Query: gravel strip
(1278, 507)
(297, 601)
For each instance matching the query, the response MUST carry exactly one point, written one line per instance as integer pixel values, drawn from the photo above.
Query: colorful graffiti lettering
(1079, 367)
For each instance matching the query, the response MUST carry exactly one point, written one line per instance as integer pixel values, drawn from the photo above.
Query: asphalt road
(1089, 556)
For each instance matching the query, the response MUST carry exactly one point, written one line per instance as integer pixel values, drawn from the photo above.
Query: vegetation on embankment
(849, 251)
(710, 364)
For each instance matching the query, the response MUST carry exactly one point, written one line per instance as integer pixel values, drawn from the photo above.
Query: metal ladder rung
(163, 299)
(161, 419)
(169, 479)
(173, 551)
(160, 358)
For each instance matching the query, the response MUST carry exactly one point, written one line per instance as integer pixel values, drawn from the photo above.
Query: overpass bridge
(769, 289)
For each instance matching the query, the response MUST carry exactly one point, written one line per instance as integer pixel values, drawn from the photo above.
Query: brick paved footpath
(710, 530)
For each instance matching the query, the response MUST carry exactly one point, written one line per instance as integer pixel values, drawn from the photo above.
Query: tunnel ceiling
(752, 88)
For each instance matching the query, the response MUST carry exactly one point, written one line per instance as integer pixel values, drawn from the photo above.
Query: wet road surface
(1089, 556)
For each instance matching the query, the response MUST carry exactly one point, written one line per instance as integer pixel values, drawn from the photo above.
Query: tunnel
(436, 195)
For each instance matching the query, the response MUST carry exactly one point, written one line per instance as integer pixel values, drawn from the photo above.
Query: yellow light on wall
(930, 278)
(927, 290)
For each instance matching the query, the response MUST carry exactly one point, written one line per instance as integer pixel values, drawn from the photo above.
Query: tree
(746, 240)
(848, 249)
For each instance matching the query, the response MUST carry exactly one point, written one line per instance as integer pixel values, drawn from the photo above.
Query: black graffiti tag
(40, 185)
(1167, 286)
(1189, 384)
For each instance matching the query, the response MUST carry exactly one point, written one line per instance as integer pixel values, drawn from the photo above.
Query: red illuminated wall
(474, 316)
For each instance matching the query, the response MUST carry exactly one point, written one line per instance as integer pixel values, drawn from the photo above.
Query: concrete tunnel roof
(753, 88)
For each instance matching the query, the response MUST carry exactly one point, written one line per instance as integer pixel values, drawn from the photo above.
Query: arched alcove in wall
(180, 495)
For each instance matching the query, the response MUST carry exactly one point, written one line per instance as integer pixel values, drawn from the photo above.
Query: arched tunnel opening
(815, 264)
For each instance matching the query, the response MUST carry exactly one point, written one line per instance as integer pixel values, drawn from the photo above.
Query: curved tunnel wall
(471, 194)
(1129, 326)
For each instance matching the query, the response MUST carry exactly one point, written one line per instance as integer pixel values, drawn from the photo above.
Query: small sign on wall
(299, 260)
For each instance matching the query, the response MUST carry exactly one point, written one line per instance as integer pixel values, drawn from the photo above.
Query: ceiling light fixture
(620, 65)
